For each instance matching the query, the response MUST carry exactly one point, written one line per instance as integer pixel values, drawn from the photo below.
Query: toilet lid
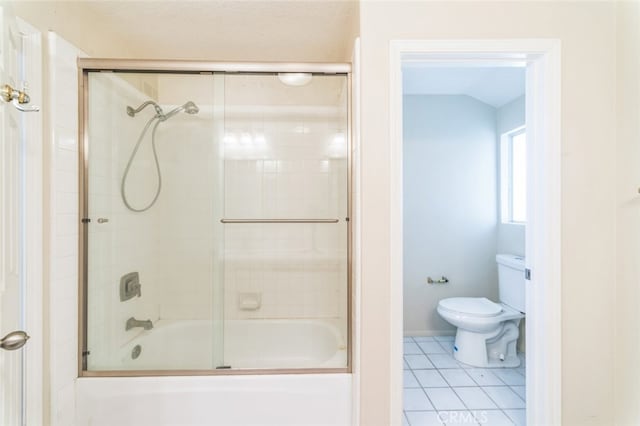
(478, 306)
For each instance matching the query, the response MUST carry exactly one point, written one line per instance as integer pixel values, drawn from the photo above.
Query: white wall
(627, 337)
(509, 117)
(312, 31)
(81, 25)
(587, 33)
(450, 213)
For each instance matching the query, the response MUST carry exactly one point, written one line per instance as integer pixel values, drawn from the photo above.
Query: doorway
(540, 59)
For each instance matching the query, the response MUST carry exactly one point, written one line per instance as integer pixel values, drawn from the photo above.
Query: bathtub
(269, 399)
(248, 344)
(251, 400)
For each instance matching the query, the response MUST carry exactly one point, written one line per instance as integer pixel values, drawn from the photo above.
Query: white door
(12, 278)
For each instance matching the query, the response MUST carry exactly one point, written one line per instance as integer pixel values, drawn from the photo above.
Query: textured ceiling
(294, 30)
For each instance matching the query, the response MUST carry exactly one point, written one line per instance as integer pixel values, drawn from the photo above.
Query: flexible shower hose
(133, 155)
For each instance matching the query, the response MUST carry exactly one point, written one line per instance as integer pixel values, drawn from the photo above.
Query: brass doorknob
(18, 98)
(8, 93)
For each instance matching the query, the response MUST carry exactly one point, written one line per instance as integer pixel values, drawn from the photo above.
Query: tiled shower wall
(286, 162)
(63, 228)
(186, 207)
(295, 270)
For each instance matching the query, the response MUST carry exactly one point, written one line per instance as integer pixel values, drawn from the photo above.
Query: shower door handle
(279, 220)
(14, 340)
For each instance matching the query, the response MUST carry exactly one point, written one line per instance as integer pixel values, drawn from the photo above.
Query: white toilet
(487, 331)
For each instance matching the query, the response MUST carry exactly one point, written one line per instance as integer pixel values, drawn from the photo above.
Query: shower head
(189, 108)
(132, 112)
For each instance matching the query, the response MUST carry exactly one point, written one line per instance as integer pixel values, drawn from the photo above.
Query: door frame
(543, 231)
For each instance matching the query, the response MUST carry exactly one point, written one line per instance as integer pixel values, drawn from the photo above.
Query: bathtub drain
(135, 353)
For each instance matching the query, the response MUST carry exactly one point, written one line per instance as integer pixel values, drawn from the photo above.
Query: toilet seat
(471, 306)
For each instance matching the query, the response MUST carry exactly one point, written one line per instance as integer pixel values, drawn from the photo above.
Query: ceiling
(495, 86)
(293, 30)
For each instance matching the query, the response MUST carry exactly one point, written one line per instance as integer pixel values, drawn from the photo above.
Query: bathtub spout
(133, 323)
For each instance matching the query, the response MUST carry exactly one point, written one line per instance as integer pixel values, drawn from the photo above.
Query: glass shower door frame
(86, 65)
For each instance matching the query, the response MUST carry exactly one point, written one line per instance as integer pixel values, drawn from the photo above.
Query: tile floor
(440, 391)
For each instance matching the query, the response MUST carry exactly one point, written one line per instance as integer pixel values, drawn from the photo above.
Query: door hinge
(85, 220)
(527, 274)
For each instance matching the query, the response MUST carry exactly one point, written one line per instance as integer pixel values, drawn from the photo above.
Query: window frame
(506, 175)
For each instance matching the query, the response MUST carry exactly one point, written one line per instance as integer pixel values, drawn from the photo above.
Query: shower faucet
(133, 323)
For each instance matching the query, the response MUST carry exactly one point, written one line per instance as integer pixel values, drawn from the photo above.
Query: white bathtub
(266, 400)
(187, 345)
(282, 400)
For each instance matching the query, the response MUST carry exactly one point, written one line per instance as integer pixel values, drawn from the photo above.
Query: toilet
(487, 331)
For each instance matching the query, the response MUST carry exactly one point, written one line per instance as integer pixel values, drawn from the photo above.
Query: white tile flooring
(438, 390)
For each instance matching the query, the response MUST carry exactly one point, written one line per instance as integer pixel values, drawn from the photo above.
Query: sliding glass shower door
(285, 222)
(152, 193)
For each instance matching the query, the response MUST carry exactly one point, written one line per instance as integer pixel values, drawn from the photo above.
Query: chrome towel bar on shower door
(279, 220)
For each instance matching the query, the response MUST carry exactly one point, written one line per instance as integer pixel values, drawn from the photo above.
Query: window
(513, 176)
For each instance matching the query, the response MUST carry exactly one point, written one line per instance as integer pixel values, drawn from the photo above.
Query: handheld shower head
(189, 107)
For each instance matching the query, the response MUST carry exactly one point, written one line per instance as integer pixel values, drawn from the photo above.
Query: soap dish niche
(249, 301)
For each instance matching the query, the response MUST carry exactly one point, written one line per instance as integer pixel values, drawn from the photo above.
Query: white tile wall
(185, 231)
(63, 217)
(298, 171)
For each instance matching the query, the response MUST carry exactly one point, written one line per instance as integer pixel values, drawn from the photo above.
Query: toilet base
(495, 349)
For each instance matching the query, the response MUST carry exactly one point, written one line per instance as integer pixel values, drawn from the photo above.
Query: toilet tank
(511, 280)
